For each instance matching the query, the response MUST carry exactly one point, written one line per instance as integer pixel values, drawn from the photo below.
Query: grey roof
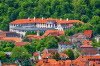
(97, 36)
(32, 28)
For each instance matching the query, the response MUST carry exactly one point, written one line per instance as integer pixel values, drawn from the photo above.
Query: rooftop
(88, 33)
(86, 45)
(87, 41)
(39, 20)
(14, 39)
(19, 44)
(53, 32)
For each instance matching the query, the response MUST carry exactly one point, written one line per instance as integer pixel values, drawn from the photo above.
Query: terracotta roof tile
(15, 39)
(34, 37)
(87, 42)
(53, 32)
(2, 35)
(22, 21)
(88, 33)
(86, 45)
(87, 51)
(49, 51)
(35, 54)
(63, 54)
(46, 55)
(19, 44)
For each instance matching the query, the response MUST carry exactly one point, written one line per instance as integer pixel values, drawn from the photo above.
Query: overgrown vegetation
(86, 10)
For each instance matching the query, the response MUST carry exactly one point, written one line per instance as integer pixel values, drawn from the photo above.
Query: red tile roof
(63, 54)
(15, 39)
(34, 37)
(7, 32)
(35, 54)
(53, 32)
(49, 51)
(19, 44)
(89, 51)
(66, 43)
(2, 35)
(88, 33)
(87, 42)
(22, 21)
(80, 61)
(87, 57)
(46, 55)
(86, 45)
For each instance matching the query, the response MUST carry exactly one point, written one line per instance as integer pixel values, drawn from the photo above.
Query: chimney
(42, 18)
(34, 18)
(28, 18)
(38, 33)
(60, 19)
(67, 19)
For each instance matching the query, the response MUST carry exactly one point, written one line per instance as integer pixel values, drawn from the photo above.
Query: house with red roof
(12, 39)
(8, 34)
(26, 25)
(20, 44)
(84, 60)
(86, 46)
(88, 33)
(87, 49)
(87, 42)
(64, 45)
(47, 33)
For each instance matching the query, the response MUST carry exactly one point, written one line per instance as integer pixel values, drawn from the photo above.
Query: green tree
(70, 54)
(20, 52)
(29, 48)
(25, 39)
(56, 56)
(7, 49)
(2, 55)
(77, 53)
(96, 44)
(84, 18)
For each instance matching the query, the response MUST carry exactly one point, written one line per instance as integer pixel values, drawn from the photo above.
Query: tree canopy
(84, 10)
(20, 52)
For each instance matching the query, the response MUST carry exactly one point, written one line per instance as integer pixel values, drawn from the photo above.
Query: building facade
(24, 25)
(64, 45)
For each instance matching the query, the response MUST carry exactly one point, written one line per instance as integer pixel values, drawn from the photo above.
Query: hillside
(87, 11)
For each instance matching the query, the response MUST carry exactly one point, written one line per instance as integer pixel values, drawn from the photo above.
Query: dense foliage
(6, 46)
(2, 55)
(46, 42)
(85, 10)
(20, 52)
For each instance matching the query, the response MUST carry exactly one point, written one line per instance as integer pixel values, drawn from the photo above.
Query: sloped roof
(63, 54)
(86, 45)
(49, 51)
(39, 20)
(53, 32)
(19, 44)
(88, 33)
(34, 37)
(88, 51)
(46, 55)
(15, 39)
(87, 41)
